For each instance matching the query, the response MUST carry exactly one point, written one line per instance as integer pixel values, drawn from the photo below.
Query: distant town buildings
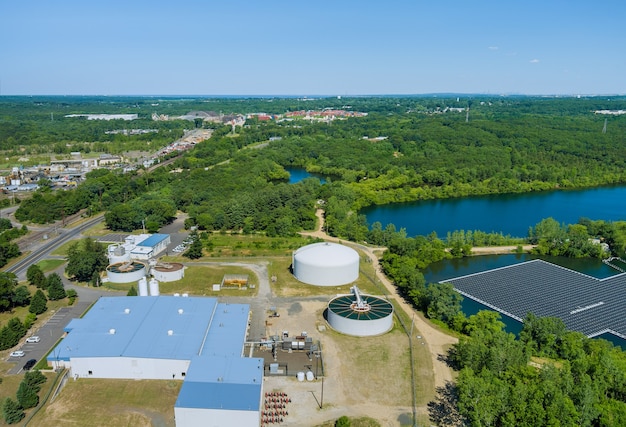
(611, 112)
(106, 116)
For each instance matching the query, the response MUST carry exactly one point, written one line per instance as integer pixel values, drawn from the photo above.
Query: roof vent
(112, 331)
(127, 311)
(180, 311)
(170, 332)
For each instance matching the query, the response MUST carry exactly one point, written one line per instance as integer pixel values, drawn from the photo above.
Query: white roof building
(193, 339)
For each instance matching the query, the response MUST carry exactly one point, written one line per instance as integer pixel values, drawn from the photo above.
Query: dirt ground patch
(363, 376)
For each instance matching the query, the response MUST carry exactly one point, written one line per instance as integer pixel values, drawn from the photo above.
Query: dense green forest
(404, 149)
(547, 377)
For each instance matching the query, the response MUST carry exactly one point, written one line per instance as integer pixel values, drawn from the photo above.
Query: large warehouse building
(197, 340)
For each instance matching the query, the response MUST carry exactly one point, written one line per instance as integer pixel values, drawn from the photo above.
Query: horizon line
(381, 95)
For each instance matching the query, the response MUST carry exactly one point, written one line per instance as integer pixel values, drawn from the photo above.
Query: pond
(298, 174)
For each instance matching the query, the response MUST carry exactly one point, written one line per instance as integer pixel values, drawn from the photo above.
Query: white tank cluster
(360, 315)
(326, 264)
(144, 286)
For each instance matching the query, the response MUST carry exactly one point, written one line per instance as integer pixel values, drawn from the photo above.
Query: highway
(41, 251)
(51, 331)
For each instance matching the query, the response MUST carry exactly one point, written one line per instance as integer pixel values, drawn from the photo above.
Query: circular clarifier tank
(125, 272)
(360, 315)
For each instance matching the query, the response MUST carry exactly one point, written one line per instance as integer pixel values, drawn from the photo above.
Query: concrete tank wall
(326, 264)
(359, 328)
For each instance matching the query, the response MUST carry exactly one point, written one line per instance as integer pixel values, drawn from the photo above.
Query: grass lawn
(355, 422)
(100, 402)
(199, 280)
(48, 265)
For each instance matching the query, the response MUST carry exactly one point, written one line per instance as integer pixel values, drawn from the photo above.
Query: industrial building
(138, 246)
(326, 264)
(150, 247)
(192, 339)
(127, 260)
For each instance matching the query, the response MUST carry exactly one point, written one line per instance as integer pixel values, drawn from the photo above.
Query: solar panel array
(585, 304)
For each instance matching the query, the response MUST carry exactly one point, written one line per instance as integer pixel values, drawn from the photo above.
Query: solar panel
(584, 303)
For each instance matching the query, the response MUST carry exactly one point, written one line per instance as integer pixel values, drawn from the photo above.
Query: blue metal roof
(242, 397)
(222, 383)
(228, 331)
(153, 240)
(207, 333)
(140, 327)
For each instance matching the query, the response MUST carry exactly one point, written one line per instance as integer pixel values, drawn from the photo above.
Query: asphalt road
(52, 330)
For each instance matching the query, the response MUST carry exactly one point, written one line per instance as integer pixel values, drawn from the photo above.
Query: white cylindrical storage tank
(326, 264)
(168, 272)
(154, 287)
(310, 376)
(300, 376)
(126, 272)
(344, 316)
(143, 287)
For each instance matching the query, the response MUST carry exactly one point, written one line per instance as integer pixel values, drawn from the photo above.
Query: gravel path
(437, 341)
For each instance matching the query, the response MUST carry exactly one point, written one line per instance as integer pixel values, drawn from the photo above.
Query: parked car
(17, 353)
(28, 365)
(34, 338)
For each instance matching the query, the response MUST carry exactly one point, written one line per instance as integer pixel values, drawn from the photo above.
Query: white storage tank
(143, 287)
(154, 287)
(326, 264)
(168, 271)
(360, 315)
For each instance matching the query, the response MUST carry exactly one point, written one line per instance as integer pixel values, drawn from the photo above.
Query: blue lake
(510, 214)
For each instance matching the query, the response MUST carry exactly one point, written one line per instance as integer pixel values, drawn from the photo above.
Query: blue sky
(340, 47)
